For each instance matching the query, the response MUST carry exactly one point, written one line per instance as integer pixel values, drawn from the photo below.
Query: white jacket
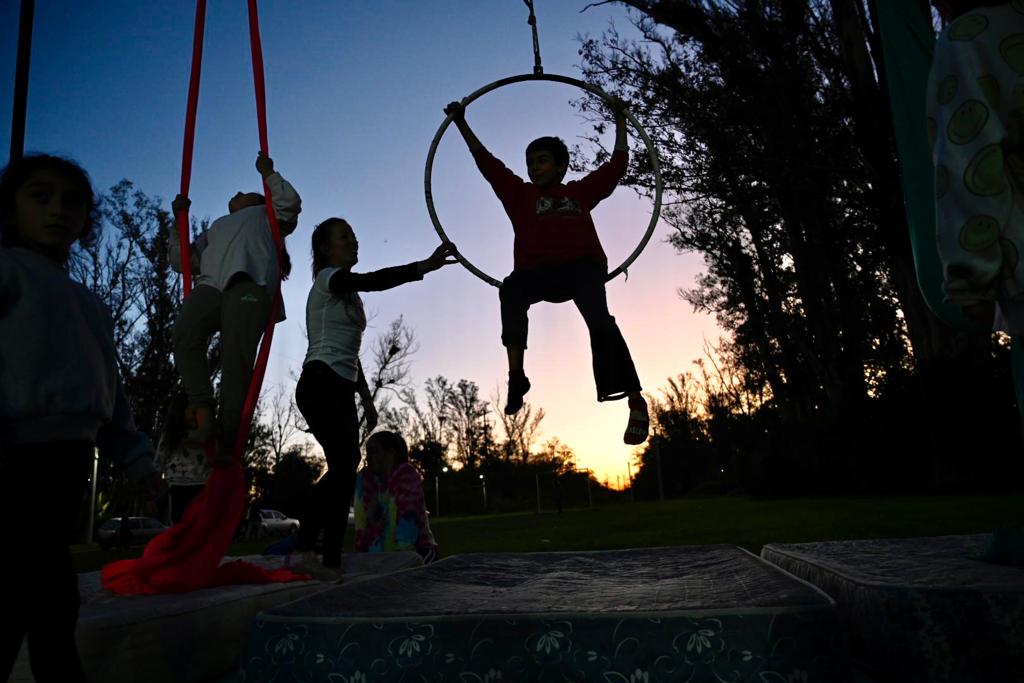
(241, 242)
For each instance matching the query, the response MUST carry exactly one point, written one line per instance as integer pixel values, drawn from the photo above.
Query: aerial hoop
(651, 152)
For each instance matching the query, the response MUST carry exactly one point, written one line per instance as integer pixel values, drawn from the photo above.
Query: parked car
(274, 522)
(139, 531)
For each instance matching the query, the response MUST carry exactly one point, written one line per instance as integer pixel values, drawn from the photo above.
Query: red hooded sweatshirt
(553, 225)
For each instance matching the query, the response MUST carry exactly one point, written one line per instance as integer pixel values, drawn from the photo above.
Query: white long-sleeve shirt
(335, 326)
(241, 242)
(976, 114)
(335, 319)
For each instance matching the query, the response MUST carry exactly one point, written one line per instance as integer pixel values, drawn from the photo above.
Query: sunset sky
(355, 92)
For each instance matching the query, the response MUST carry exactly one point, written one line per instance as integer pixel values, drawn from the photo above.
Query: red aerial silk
(187, 146)
(188, 555)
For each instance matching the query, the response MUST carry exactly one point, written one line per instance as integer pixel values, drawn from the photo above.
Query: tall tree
(455, 421)
(128, 270)
(430, 422)
(779, 165)
(557, 457)
(388, 374)
(520, 430)
(291, 482)
(280, 416)
(470, 424)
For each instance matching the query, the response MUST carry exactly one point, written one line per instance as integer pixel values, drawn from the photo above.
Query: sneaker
(518, 385)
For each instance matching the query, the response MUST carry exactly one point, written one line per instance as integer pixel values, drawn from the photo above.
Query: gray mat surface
(696, 613)
(194, 636)
(648, 580)
(919, 609)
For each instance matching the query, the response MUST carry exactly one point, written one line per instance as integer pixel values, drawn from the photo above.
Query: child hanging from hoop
(558, 257)
(61, 397)
(237, 276)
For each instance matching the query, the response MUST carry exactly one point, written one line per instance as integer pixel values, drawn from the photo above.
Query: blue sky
(355, 92)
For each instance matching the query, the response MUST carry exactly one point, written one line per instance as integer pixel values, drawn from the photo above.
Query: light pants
(240, 313)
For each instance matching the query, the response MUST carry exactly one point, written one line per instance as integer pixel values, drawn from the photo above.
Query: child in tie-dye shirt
(391, 513)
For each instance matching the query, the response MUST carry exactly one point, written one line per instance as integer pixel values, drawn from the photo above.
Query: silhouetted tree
(428, 456)
(388, 374)
(470, 424)
(291, 482)
(281, 422)
(772, 122)
(128, 270)
(520, 430)
(430, 422)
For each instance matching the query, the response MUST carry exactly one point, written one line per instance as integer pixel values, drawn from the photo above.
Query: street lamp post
(437, 491)
(536, 478)
(629, 470)
(92, 497)
(483, 484)
(657, 462)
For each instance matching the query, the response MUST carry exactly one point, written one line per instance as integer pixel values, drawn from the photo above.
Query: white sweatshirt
(59, 377)
(241, 242)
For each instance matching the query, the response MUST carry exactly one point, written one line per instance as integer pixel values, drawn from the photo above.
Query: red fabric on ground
(187, 556)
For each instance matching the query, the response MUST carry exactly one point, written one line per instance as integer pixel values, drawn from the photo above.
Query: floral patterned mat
(698, 613)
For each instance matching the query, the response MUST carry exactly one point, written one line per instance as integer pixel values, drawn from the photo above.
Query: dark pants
(327, 402)
(583, 282)
(43, 484)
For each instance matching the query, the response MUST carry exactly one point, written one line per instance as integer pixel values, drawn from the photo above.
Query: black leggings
(583, 282)
(327, 402)
(44, 484)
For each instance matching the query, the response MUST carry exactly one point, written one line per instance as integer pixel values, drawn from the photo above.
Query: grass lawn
(746, 522)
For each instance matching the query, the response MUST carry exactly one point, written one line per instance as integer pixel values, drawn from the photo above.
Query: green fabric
(908, 40)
